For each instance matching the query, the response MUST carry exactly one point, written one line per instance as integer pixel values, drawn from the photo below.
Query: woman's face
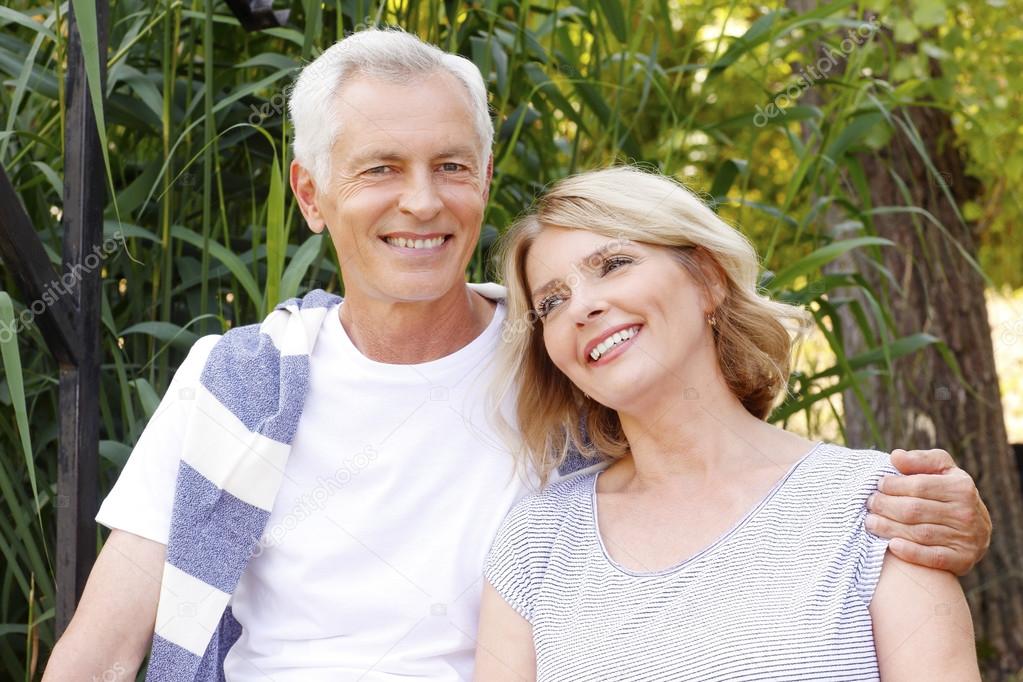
(624, 321)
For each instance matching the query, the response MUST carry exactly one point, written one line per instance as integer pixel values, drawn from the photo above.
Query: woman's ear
(714, 279)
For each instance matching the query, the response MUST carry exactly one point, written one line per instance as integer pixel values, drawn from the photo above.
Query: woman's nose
(590, 309)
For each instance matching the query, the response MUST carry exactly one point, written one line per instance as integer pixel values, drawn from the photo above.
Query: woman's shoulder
(850, 466)
(549, 508)
(837, 478)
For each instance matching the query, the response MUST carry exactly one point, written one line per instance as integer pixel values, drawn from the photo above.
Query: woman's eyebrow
(581, 263)
(545, 288)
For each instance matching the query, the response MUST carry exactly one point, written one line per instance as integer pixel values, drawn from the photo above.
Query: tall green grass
(197, 150)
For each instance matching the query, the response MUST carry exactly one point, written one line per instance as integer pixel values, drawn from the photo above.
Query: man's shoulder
(495, 292)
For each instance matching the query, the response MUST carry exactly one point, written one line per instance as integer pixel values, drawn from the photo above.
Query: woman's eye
(614, 263)
(548, 304)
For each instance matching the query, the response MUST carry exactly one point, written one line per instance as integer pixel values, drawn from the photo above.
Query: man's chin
(420, 288)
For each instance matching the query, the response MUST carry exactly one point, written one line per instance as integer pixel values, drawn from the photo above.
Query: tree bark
(938, 291)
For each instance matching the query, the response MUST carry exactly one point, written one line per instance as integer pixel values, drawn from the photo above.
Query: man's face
(407, 188)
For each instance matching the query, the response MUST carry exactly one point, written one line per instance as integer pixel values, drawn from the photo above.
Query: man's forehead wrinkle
(376, 123)
(371, 121)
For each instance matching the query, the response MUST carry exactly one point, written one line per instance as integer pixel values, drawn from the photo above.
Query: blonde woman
(715, 546)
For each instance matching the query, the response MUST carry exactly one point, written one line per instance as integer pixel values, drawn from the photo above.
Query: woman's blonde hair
(753, 335)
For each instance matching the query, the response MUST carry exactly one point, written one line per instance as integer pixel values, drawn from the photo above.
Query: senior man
(315, 496)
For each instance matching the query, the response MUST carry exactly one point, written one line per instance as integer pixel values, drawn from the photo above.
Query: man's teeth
(415, 243)
(612, 341)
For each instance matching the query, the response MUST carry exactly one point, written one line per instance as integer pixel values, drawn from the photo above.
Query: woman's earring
(712, 320)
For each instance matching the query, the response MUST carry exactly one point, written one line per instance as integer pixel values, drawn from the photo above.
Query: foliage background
(197, 137)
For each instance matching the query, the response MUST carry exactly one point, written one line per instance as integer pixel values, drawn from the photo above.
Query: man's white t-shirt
(370, 567)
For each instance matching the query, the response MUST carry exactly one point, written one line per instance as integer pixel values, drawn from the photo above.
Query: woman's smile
(610, 344)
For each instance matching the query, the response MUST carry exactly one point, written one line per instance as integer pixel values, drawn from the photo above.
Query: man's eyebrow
(457, 151)
(376, 155)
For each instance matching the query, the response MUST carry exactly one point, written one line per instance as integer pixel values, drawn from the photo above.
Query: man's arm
(504, 645)
(933, 513)
(922, 626)
(112, 628)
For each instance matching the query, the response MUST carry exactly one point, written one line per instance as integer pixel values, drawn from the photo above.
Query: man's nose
(419, 197)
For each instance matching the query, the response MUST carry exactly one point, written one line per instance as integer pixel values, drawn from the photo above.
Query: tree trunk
(938, 291)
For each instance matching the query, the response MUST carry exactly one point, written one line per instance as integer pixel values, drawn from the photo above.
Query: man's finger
(954, 486)
(909, 510)
(929, 534)
(922, 461)
(941, 558)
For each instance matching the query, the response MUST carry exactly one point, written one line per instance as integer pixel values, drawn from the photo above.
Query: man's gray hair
(388, 54)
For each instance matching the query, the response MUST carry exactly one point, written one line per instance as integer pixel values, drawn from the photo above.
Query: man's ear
(304, 188)
(489, 178)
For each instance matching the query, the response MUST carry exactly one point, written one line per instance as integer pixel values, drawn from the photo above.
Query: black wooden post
(77, 475)
(66, 305)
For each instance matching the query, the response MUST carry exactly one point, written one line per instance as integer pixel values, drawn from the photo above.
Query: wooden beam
(41, 287)
(77, 471)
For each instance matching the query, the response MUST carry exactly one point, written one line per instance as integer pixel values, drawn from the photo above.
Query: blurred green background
(845, 176)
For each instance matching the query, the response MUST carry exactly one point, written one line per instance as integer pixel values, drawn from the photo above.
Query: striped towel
(247, 406)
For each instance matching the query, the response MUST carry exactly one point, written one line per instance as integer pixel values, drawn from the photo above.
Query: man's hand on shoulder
(933, 513)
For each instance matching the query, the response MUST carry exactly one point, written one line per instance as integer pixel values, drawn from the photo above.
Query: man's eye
(451, 166)
(379, 170)
(614, 263)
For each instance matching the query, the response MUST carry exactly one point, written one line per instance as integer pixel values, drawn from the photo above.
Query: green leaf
(88, 30)
(299, 266)
(810, 264)
(854, 132)
(615, 14)
(16, 387)
(7, 14)
(167, 332)
(759, 32)
(276, 236)
(274, 60)
(929, 13)
(114, 452)
(725, 176)
(906, 31)
(147, 396)
(229, 259)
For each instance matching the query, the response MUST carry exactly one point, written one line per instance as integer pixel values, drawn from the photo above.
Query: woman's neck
(700, 435)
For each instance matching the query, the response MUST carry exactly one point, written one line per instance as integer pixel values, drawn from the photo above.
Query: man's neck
(401, 333)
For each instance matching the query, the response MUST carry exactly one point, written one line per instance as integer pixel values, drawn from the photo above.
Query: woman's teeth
(415, 243)
(612, 341)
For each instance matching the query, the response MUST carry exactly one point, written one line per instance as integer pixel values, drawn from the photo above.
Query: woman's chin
(617, 398)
